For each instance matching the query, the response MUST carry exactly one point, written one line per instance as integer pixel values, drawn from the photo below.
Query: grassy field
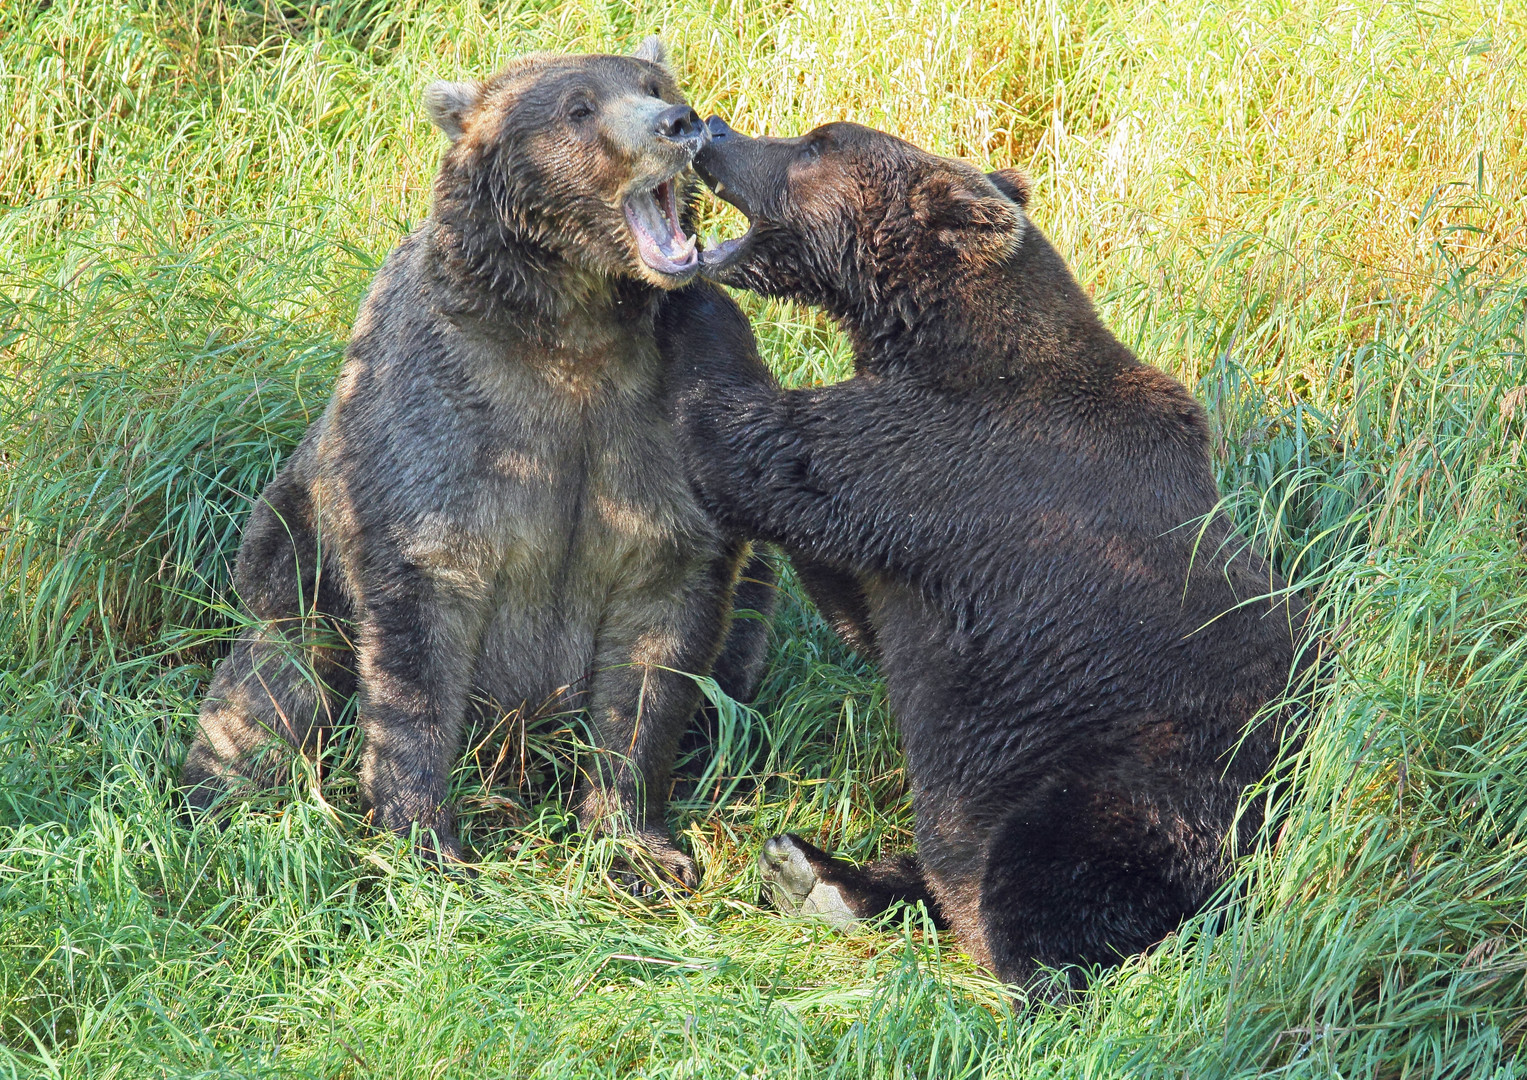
(1312, 211)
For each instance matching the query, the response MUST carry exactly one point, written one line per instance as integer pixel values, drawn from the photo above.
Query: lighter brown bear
(491, 513)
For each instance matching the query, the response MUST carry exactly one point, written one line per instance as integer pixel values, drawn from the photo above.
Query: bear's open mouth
(726, 251)
(653, 215)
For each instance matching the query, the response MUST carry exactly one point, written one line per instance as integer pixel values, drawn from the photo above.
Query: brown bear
(1019, 520)
(491, 514)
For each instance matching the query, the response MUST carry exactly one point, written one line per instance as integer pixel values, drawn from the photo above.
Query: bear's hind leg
(290, 672)
(1083, 873)
(802, 879)
(277, 689)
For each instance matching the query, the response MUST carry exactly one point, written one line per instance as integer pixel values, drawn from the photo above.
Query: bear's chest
(582, 486)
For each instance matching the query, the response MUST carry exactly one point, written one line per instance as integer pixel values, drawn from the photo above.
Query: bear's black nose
(678, 122)
(718, 128)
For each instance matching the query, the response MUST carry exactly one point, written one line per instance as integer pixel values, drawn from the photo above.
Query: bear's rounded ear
(1011, 183)
(653, 51)
(968, 212)
(450, 103)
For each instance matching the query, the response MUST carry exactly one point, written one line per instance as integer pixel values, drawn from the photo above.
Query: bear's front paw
(657, 864)
(792, 883)
(679, 867)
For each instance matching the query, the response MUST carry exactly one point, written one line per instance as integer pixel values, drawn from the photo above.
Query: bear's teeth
(660, 239)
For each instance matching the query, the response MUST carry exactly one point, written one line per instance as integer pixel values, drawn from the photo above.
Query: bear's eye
(654, 90)
(580, 111)
(811, 150)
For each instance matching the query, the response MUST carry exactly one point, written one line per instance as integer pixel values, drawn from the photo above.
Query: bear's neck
(523, 287)
(1020, 321)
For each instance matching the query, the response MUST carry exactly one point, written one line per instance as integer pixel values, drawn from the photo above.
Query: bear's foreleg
(418, 643)
(642, 697)
(802, 468)
(840, 599)
(740, 667)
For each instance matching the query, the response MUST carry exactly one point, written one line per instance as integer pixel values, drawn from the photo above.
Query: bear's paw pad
(792, 884)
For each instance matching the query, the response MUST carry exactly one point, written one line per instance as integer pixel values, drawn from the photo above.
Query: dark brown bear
(1019, 520)
(491, 515)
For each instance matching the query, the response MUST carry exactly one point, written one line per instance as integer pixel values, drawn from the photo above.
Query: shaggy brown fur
(491, 514)
(1019, 520)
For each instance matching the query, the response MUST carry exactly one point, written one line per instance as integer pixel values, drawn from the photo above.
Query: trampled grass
(1314, 213)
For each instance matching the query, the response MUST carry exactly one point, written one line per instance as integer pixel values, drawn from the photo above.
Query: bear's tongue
(654, 219)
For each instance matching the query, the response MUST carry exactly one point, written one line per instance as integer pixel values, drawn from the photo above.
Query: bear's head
(845, 215)
(581, 160)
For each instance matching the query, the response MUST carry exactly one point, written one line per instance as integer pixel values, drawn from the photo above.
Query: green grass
(1314, 213)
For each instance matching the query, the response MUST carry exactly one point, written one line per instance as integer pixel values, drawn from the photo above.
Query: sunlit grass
(1315, 214)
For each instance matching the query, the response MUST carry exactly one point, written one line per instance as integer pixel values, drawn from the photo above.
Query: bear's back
(1082, 580)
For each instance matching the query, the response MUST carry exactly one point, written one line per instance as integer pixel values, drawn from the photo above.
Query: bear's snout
(681, 124)
(731, 164)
